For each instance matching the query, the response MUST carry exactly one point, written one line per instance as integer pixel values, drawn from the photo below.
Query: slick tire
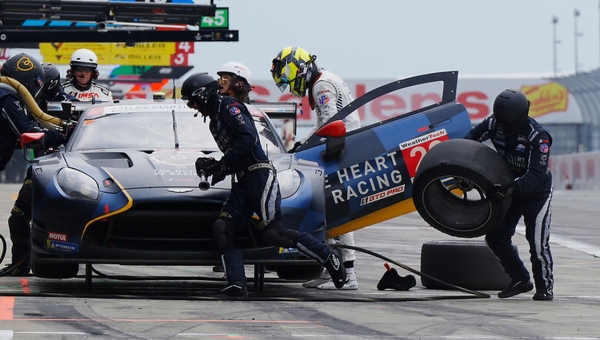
(465, 263)
(299, 272)
(450, 186)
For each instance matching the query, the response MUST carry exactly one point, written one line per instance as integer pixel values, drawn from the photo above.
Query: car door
(369, 171)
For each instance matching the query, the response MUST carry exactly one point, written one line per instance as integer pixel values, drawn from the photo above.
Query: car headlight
(76, 184)
(289, 182)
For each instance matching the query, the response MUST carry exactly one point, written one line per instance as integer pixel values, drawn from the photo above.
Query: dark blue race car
(124, 190)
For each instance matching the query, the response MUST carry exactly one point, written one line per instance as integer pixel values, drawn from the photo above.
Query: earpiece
(239, 85)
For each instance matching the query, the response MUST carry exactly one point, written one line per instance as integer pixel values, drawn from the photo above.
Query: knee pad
(223, 234)
(19, 229)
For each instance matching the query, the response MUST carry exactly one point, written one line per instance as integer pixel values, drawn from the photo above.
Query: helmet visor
(189, 103)
(279, 75)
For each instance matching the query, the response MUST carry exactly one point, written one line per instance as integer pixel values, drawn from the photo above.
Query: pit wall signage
(551, 102)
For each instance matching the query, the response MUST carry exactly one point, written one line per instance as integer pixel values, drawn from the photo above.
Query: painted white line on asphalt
(586, 248)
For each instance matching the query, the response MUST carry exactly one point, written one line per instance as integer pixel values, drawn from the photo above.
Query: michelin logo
(63, 246)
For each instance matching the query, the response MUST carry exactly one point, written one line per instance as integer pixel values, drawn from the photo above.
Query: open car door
(369, 171)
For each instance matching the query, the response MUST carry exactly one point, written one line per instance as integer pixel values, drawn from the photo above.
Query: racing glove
(502, 191)
(295, 147)
(202, 164)
(217, 170)
(67, 132)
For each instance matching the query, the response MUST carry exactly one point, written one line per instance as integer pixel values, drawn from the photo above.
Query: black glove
(295, 147)
(67, 132)
(501, 191)
(202, 164)
(216, 168)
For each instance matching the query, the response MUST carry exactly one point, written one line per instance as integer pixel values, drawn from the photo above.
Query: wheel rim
(456, 204)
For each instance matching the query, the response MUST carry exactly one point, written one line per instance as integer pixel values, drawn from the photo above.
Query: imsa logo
(381, 195)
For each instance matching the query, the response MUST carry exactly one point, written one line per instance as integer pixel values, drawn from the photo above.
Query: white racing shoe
(350, 284)
(314, 283)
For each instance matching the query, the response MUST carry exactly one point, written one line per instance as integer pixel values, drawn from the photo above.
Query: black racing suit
(527, 152)
(256, 189)
(14, 122)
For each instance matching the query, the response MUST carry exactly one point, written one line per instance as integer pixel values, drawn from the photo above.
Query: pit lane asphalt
(174, 304)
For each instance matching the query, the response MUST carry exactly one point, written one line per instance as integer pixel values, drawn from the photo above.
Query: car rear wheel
(451, 185)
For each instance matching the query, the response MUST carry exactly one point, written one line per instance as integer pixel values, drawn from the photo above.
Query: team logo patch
(234, 111)
(520, 147)
(544, 148)
(323, 100)
(382, 194)
(25, 64)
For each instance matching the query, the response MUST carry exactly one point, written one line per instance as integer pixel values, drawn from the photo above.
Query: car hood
(139, 169)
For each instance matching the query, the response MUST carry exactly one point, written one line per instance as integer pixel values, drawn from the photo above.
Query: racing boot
(516, 287)
(335, 268)
(12, 270)
(234, 291)
(233, 263)
(350, 284)
(543, 294)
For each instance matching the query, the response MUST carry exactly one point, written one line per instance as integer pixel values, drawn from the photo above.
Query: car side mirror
(30, 143)
(335, 133)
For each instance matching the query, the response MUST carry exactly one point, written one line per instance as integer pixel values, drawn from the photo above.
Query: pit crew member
(28, 72)
(525, 145)
(234, 81)
(81, 78)
(256, 189)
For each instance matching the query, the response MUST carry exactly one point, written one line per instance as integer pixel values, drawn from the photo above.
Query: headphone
(241, 85)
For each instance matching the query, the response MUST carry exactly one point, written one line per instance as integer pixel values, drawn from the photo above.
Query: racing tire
(466, 263)
(451, 184)
(53, 270)
(299, 272)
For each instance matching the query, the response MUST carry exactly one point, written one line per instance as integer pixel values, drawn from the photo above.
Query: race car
(124, 189)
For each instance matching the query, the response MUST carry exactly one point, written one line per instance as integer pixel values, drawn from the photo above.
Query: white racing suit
(96, 91)
(328, 95)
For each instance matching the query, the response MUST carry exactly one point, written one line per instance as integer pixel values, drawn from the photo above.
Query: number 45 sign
(220, 20)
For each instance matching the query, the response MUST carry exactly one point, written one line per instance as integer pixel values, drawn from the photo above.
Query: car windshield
(150, 126)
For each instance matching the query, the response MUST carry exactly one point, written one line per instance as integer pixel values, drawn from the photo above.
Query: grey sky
(398, 38)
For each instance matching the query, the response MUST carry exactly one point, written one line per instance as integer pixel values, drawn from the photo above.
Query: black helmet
(511, 109)
(51, 86)
(197, 88)
(26, 70)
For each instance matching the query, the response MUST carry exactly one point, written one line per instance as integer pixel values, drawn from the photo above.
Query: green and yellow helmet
(294, 66)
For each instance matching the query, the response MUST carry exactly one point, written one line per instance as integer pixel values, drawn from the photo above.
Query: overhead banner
(109, 48)
(140, 54)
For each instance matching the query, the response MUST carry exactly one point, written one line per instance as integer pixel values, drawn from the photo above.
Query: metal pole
(554, 41)
(576, 47)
